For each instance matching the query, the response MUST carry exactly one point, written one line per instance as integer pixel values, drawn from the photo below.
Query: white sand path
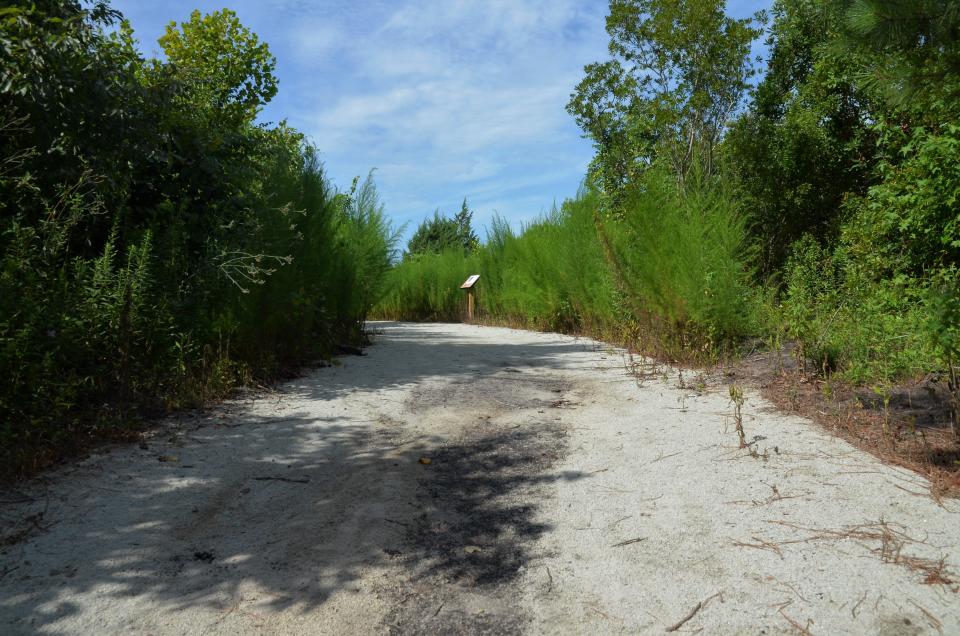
(559, 497)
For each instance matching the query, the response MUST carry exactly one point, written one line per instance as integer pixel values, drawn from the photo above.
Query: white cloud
(358, 111)
(452, 98)
(476, 24)
(447, 98)
(314, 39)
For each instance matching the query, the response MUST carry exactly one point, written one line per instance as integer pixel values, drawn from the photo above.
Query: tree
(805, 144)
(856, 112)
(216, 78)
(679, 69)
(433, 235)
(465, 234)
(156, 244)
(908, 223)
(442, 233)
(224, 63)
(916, 45)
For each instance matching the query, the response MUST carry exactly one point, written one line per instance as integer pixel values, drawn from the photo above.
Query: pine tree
(442, 233)
(465, 234)
(917, 43)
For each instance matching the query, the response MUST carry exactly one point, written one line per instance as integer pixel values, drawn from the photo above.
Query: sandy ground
(461, 479)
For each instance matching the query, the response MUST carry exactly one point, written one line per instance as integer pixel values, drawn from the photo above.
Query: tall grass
(552, 275)
(682, 260)
(427, 287)
(669, 272)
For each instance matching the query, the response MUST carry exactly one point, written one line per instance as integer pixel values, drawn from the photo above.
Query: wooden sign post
(469, 285)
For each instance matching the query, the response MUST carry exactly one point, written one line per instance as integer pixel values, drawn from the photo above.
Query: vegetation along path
(463, 479)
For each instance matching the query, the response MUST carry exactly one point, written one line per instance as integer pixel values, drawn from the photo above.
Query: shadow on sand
(292, 509)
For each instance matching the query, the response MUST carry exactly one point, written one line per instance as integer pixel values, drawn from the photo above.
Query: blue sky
(446, 99)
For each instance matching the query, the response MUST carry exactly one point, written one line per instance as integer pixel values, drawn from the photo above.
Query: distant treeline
(157, 245)
(819, 204)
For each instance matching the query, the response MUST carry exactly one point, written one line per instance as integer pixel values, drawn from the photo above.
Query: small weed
(736, 397)
(701, 382)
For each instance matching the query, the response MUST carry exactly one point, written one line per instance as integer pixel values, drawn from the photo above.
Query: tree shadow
(285, 512)
(473, 526)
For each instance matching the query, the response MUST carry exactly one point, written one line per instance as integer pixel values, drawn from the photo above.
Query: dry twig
(805, 630)
(699, 606)
(853, 610)
(933, 620)
(892, 539)
(761, 545)
(628, 542)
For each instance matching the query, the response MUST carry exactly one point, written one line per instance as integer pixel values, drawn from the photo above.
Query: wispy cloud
(314, 39)
(445, 98)
(457, 98)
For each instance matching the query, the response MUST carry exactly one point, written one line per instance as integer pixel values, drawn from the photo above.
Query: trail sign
(468, 285)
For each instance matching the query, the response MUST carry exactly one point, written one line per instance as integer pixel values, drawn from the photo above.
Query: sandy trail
(560, 497)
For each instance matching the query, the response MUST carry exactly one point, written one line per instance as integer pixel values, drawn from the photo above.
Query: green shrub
(879, 305)
(868, 328)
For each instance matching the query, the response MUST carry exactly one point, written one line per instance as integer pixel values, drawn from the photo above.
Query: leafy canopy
(679, 69)
(224, 63)
(804, 144)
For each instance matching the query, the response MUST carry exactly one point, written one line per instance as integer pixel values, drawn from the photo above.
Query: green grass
(669, 273)
(426, 287)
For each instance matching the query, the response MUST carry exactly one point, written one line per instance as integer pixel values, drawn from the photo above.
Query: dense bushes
(877, 303)
(157, 246)
(875, 300)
